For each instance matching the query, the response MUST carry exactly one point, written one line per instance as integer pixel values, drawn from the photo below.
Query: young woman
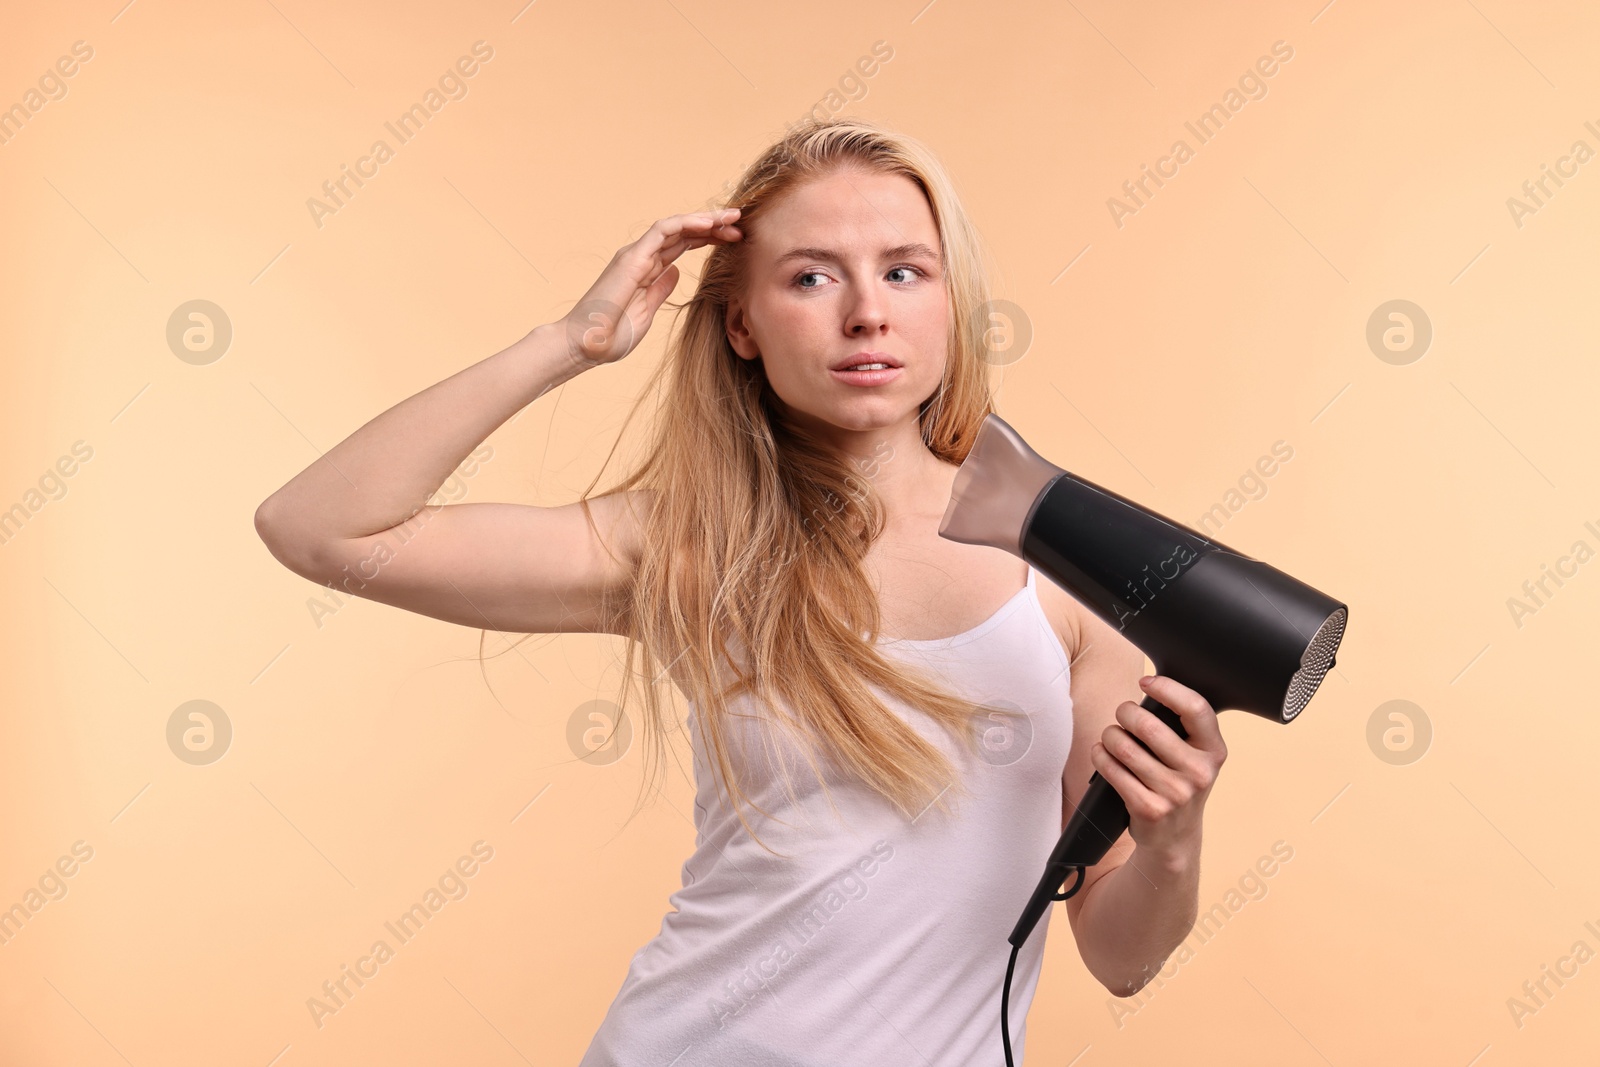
(889, 729)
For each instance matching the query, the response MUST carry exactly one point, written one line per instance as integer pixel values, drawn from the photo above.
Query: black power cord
(1005, 996)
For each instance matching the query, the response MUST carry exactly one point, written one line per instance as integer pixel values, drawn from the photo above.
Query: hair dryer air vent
(1316, 662)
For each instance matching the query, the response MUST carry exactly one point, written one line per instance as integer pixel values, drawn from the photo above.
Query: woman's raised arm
(355, 518)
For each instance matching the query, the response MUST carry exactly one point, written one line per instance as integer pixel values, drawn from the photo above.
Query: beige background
(1228, 313)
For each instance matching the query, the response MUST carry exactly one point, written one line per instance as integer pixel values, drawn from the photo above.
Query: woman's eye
(799, 280)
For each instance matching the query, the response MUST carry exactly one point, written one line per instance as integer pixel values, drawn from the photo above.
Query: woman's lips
(867, 377)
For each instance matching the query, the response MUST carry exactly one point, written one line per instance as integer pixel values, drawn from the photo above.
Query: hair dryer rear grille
(1314, 664)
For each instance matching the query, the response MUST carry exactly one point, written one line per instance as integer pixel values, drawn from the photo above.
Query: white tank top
(876, 939)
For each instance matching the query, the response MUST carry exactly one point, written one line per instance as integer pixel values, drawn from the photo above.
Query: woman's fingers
(1151, 770)
(676, 229)
(692, 231)
(1143, 724)
(657, 247)
(617, 310)
(1194, 711)
(657, 293)
(678, 235)
(1134, 793)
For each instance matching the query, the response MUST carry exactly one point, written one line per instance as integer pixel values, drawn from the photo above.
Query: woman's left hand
(1165, 793)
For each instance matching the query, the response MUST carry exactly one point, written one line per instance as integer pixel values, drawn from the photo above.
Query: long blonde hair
(729, 549)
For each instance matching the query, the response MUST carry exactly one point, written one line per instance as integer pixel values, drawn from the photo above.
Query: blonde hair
(733, 485)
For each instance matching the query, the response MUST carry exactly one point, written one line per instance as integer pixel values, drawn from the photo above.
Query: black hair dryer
(1240, 633)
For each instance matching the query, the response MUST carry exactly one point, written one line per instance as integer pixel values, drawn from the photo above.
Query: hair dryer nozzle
(995, 489)
(1240, 632)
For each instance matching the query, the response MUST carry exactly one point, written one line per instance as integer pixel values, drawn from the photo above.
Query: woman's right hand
(614, 315)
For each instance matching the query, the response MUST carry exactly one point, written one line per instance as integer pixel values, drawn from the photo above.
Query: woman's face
(846, 264)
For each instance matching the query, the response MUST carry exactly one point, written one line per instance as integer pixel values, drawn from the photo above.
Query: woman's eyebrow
(905, 251)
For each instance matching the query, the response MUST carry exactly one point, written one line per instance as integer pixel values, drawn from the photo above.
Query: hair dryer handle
(1101, 815)
(1099, 819)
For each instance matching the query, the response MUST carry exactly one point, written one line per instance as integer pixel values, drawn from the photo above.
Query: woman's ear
(737, 327)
